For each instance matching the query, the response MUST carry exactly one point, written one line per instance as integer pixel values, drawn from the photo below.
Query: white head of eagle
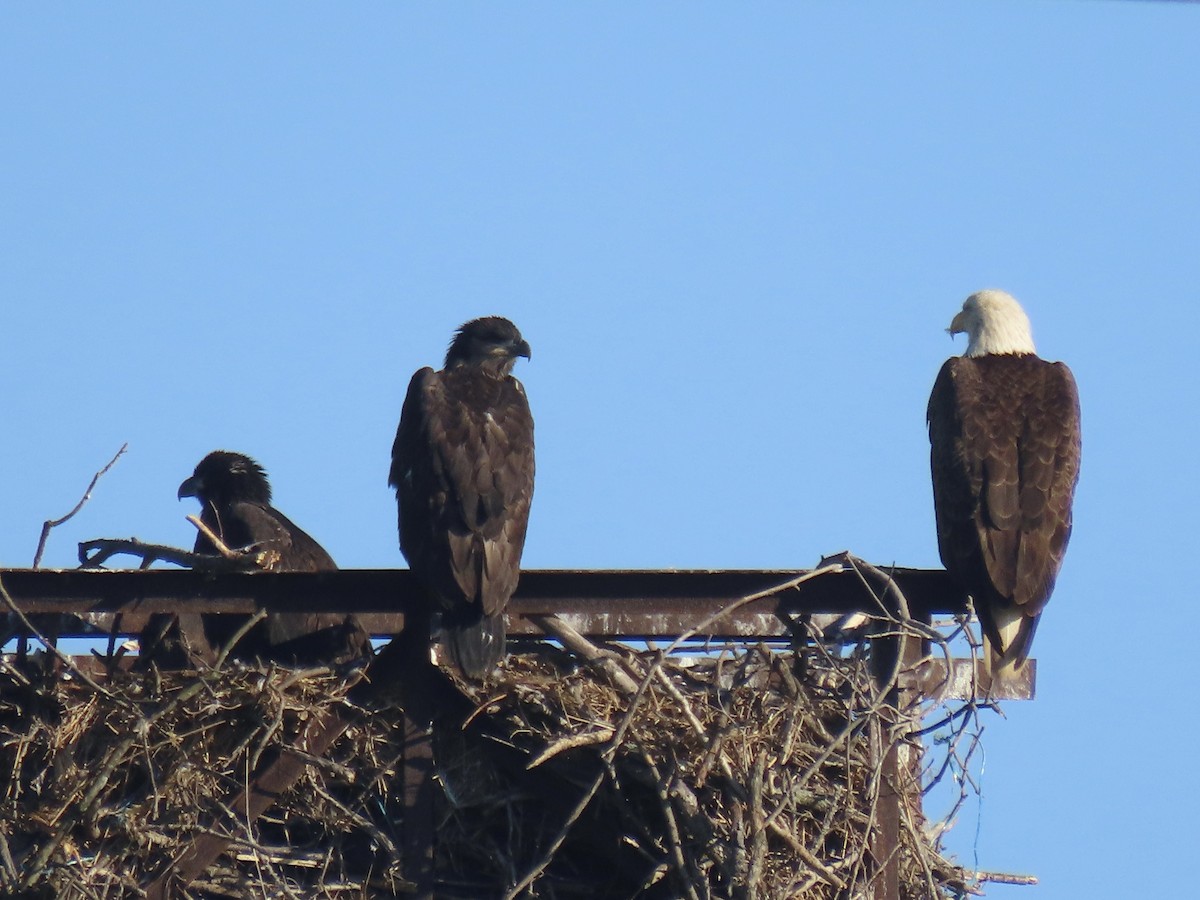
(994, 324)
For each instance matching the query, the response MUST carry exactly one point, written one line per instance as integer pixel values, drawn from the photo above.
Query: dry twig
(51, 524)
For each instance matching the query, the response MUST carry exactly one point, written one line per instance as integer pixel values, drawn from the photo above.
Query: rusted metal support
(419, 809)
(899, 769)
(631, 604)
(896, 652)
(964, 679)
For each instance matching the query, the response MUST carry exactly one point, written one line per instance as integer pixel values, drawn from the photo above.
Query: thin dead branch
(50, 524)
(1004, 878)
(95, 553)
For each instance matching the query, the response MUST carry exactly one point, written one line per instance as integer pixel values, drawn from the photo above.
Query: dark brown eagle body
(236, 505)
(463, 470)
(1004, 432)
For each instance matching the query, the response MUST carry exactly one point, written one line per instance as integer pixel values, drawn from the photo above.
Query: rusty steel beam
(633, 604)
(967, 678)
(419, 826)
(891, 655)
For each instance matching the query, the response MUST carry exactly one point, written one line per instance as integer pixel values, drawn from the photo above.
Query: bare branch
(1005, 878)
(213, 538)
(51, 524)
(576, 642)
(586, 739)
(94, 553)
(810, 859)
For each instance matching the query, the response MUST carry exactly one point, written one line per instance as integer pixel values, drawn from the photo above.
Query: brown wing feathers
(1004, 432)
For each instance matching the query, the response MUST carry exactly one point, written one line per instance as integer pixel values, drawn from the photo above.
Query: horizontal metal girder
(630, 604)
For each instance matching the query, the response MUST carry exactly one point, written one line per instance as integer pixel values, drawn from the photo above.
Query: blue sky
(733, 235)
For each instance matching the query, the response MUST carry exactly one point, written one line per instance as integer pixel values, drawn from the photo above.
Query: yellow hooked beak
(958, 325)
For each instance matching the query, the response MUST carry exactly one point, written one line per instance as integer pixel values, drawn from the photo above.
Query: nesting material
(99, 790)
(727, 774)
(746, 773)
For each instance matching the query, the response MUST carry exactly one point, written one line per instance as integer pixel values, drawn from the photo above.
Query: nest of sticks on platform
(748, 773)
(106, 779)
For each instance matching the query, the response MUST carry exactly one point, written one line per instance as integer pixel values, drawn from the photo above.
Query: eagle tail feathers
(476, 643)
(1015, 630)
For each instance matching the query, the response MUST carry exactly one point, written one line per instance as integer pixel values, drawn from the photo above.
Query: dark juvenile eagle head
(493, 342)
(223, 477)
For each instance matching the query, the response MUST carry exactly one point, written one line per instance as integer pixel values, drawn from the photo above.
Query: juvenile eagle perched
(235, 497)
(462, 467)
(1005, 445)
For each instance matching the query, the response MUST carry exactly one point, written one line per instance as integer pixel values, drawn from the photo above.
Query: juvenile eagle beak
(521, 348)
(189, 488)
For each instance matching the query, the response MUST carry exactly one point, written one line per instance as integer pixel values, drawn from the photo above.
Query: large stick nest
(101, 790)
(732, 774)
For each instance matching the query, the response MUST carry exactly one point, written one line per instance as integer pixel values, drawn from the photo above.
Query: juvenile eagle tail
(476, 642)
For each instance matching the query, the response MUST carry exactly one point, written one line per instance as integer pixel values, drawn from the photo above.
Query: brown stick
(576, 642)
(214, 539)
(94, 553)
(1005, 878)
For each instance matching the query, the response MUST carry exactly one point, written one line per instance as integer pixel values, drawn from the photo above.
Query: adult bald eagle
(462, 467)
(1005, 445)
(236, 505)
